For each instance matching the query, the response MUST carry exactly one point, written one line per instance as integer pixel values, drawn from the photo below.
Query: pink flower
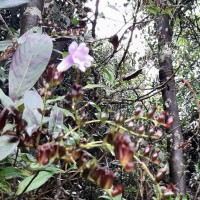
(78, 55)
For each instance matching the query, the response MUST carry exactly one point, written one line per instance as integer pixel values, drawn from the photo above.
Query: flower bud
(167, 194)
(119, 119)
(124, 149)
(103, 116)
(151, 112)
(131, 125)
(141, 130)
(117, 190)
(151, 130)
(169, 121)
(138, 110)
(129, 166)
(161, 174)
(154, 157)
(107, 179)
(161, 117)
(158, 134)
(147, 150)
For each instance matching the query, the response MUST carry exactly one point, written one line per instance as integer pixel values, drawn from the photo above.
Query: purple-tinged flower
(78, 55)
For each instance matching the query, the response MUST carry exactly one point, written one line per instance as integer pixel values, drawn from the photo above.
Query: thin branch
(94, 23)
(6, 26)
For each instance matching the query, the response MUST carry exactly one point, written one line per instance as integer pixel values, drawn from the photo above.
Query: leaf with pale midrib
(28, 64)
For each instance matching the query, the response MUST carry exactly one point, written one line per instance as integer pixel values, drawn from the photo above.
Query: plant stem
(145, 168)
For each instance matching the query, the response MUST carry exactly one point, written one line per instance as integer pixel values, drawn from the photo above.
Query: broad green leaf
(5, 186)
(29, 62)
(49, 168)
(7, 145)
(92, 86)
(12, 172)
(12, 3)
(40, 179)
(4, 44)
(35, 29)
(118, 197)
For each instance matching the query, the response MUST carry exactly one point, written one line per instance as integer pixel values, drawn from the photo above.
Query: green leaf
(5, 186)
(168, 11)
(64, 54)
(7, 145)
(118, 197)
(92, 86)
(153, 10)
(95, 106)
(113, 7)
(12, 172)
(105, 197)
(110, 148)
(10, 3)
(50, 168)
(40, 179)
(60, 98)
(109, 75)
(56, 119)
(74, 21)
(28, 63)
(5, 100)
(67, 113)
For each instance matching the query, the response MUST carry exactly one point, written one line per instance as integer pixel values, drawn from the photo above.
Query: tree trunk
(31, 14)
(176, 162)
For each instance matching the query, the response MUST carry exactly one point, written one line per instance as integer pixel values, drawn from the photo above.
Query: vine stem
(145, 168)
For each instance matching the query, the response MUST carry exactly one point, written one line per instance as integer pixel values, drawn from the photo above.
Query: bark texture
(176, 161)
(31, 14)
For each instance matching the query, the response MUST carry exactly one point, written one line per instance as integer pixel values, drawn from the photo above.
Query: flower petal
(83, 48)
(72, 47)
(82, 68)
(65, 64)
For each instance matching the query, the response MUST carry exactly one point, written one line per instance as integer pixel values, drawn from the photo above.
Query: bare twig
(94, 23)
